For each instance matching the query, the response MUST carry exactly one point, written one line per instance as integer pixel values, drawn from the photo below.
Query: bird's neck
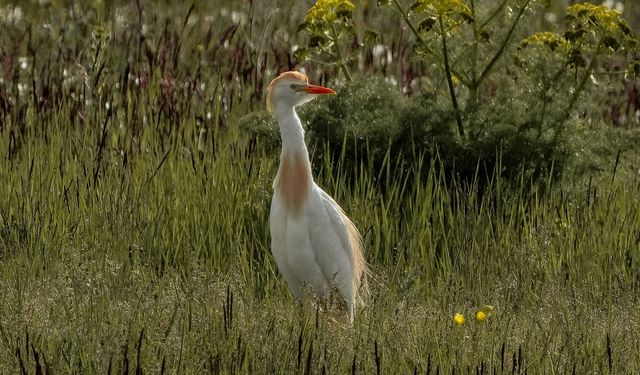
(291, 131)
(294, 179)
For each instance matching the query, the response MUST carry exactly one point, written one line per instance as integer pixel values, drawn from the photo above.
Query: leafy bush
(510, 99)
(370, 119)
(262, 128)
(362, 118)
(496, 141)
(494, 93)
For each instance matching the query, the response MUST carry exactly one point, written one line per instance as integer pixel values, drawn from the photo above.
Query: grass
(134, 235)
(163, 264)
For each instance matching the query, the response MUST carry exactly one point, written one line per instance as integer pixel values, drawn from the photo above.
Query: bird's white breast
(292, 247)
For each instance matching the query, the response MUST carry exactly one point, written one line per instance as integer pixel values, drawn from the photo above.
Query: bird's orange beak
(313, 89)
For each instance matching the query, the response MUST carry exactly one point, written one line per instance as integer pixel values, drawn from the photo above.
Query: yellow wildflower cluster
(552, 40)
(589, 28)
(328, 11)
(451, 12)
(329, 24)
(445, 8)
(481, 315)
(588, 23)
(599, 16)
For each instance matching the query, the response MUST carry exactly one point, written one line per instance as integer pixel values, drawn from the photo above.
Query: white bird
(312, 240)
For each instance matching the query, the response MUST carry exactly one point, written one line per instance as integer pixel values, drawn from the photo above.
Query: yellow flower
(442, 7)
(598, 15)
(329, 11)
(549, 39)
(458, 319)
(482, 314)
(584, 18)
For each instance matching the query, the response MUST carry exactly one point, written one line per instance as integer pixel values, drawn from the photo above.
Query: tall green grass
(162, 263)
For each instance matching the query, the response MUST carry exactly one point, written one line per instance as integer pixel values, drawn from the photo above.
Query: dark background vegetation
(209, 59)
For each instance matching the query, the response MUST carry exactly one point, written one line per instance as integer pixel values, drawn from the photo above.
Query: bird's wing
(331, 243)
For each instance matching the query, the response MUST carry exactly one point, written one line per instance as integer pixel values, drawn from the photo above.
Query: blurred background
(191, 68)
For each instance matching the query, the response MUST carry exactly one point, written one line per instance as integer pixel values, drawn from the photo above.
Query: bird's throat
(293, 181)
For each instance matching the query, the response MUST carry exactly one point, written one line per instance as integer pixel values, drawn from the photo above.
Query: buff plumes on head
(282, 77)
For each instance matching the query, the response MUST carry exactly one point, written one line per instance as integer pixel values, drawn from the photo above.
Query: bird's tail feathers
(360, 270)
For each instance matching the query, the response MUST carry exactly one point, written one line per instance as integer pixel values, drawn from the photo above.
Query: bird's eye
(294, 86)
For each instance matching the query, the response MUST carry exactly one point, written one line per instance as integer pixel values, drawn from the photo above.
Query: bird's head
(292, 89)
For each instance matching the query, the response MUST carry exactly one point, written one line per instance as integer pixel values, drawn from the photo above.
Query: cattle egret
(313, 242)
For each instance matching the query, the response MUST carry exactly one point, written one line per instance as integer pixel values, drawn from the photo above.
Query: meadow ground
(164, 263)
(134, 237)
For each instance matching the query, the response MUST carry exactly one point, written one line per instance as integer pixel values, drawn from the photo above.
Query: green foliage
(523, 114)
(261, 127)
(453, 13)
(371, 121)
(163, 265)
(475, 60)
(329, 24)
(362, 117)
(594, 35)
